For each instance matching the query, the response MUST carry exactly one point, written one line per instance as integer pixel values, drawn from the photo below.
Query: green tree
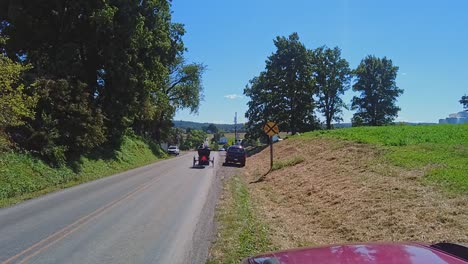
(65, 125)
(376, 104)
(141, 44)
(260, 107)
(175, 136)
(110, 61)
(284, 91)
(212, 128)
(194, 139)
(58, 38)
(332, 78)
(184, 86)
(15, 103)
(464, 101)
(183, 89)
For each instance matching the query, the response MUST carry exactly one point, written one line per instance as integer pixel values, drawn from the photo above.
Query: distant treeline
(204, 126)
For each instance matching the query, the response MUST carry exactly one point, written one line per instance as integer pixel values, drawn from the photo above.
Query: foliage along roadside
(440, 150)
(101, 69)
(23, 176)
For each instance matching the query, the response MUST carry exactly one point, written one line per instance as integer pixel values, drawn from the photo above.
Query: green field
(23, 176)
(441, 150)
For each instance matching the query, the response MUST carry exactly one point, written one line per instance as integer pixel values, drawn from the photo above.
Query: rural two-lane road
(160, 213)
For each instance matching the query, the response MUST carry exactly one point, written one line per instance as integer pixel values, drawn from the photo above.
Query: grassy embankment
(23, 176)
(240, 232)
(326, 187)
(441, 150)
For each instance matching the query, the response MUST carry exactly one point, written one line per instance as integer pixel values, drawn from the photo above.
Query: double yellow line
(38, 247)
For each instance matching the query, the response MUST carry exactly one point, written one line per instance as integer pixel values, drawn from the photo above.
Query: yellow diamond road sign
(271, 128)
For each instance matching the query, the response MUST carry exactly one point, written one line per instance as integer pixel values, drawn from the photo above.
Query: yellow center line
(69, 229)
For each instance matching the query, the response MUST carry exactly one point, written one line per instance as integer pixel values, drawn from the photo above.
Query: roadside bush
(65, 123)
(4, 142)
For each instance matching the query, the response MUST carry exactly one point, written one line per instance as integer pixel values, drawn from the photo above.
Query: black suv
(236, 154)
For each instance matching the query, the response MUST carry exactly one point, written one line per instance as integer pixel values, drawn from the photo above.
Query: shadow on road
(197, 167)
(232, 165)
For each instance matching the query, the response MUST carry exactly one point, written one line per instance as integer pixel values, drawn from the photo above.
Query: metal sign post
(271, 128)
(271, 152)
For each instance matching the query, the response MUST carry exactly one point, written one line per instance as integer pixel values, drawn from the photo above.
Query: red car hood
(363, 253)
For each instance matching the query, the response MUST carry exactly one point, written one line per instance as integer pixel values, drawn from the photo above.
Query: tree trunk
(328, 119)
(329, 123)
(159, 123)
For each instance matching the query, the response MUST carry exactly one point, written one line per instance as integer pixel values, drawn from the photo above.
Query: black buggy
(203, 157)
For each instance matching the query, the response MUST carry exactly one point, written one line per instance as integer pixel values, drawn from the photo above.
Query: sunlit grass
(279, 164)
(241, 233)
(441, 150)
(23, 176)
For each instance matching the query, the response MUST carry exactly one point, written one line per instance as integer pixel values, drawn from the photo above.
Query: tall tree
(284, 91)
(103, 66)
(332, 79)
(182, 89)
(59, 39)
(261, 108)
(142, 43)
(376, 104)
(464, 101)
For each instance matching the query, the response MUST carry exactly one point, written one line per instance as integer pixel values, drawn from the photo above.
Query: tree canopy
(284, 91)
(376, 104)
(15, 103)
(297, 82)
(464, 101)
(332, 78)
(99, 68)
(194, 139)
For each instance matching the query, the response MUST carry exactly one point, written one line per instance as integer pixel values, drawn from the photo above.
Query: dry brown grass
(346, 192)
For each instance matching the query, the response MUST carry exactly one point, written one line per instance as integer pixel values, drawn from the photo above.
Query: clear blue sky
(428, 40)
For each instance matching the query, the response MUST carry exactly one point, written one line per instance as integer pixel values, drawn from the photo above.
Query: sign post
(271, 129)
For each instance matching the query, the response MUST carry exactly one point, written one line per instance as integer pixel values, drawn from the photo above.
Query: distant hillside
(196, 125)
(341, 125)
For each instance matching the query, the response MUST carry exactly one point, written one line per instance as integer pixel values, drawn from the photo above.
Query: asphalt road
(160, 213)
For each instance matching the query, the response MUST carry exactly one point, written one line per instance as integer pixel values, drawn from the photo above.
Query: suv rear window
(236, 150)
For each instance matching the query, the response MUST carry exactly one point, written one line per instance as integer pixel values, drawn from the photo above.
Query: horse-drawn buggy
(203, 157)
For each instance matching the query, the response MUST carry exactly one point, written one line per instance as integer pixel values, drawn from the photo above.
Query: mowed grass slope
(440, 150)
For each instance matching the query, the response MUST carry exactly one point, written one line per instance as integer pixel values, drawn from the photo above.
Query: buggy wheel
(194, 160)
